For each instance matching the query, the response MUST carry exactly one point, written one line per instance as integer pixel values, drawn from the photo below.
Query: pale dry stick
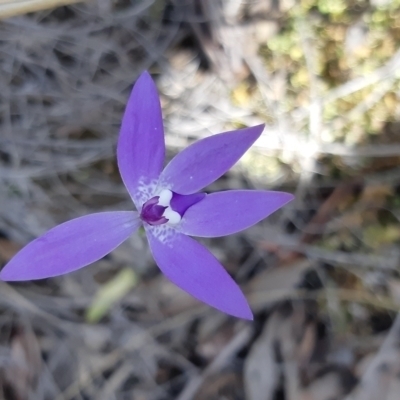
(389, 70)
(391, 176)
(362, 297)
(66, 197)
(309, 156)
(265, 235)
(361, 108)
(134, 343)
(9, 294)
(263, 79)
(310, 55)
(315, 108)
(58, 144)
(381, 150)
(261, 299)
(98, 184)
(290, 365)
(44, 171)
(117, 376)
(221, 360)
(345, 219)
(387, 262)
(211, 25)
(368, 379)
(137, 8)
(116, 380)
(261, 373)
(377, 93)
(297, 145)
(156, 52)
(11, 8)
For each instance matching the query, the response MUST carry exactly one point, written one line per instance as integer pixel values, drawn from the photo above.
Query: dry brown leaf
(8, 249)
(376, 195)
(307, 344)
(394, 389)
(382, 378)
(284, 350)
(340, 197)
(25, 364)
(171, 300)
(327, 387)
(213, 344)
(261, 372)
(380, 373)
(394, 289)
(275, 284)
(225, 385)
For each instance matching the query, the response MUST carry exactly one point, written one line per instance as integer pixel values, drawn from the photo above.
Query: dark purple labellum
(168, 207)
(152, 213)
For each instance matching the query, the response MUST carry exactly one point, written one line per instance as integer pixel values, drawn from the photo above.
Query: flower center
(158, 211)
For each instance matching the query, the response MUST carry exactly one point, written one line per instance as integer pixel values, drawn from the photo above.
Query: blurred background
(322, 275)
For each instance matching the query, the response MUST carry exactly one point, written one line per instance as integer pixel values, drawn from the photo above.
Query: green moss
(328, 23)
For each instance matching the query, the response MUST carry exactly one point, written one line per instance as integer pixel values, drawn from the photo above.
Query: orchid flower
(170, 207)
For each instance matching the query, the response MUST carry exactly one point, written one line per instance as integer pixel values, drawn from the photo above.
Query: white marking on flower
(145, 191)
(163, 233)
(163, 185)
(172, 216)
(165, 198)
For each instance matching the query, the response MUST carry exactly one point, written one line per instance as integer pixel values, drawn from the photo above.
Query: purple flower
(171, 209)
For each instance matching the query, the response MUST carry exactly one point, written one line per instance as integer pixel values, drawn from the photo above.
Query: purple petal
(195, 270)
(141, 148)
(71, 245)
(181, 202)
(206, 160)
(224, 213)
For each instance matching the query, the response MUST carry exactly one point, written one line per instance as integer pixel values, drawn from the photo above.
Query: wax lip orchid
(170, 207)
